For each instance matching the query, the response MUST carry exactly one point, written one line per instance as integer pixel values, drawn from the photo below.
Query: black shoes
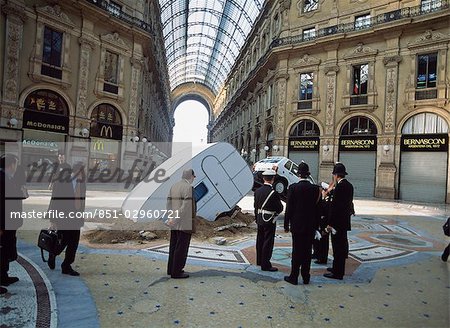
(8, 281)
(180, 276)
(3, 290)
(330, 269)
(70, 272)
(306, 281)
(51, 261)
(290, 280)
(333, 276)
(271, 269)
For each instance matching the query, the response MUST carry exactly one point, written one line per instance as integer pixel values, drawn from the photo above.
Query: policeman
(267, 206)
(301, 218)
(339, 221)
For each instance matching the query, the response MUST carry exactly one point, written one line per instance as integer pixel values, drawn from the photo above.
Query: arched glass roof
(203, 38)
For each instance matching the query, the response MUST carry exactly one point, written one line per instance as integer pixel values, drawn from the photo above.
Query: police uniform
(266, 230)
(301, 218)
(340, 214)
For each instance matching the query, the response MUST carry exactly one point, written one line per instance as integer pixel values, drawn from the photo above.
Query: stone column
(86, 47)
(279, 121)
(327, 162)
(387, 170)
(15, 17)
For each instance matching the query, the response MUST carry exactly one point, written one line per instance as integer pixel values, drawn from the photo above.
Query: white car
(287, 173)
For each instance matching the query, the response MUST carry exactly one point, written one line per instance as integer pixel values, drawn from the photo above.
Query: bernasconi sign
(424, 142)
(304, 144)
(358, 143)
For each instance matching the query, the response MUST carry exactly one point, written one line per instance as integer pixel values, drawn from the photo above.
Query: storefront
(304, 145)
(45, 127)
(106, 136)
(358, 152)
(424, 159)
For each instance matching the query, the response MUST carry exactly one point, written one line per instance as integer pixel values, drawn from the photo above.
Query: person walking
(302, 220)
(68, 197)
(339, 221)
(267, 206)
(181, 201)
(11, 197)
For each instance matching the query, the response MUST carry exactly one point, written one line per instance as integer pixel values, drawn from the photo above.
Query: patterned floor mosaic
(216, 254)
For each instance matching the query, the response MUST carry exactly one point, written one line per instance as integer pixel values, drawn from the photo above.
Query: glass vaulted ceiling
(203, 38)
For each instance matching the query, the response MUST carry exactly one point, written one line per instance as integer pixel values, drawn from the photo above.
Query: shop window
(425, 123)
(52, 53)
(359, 125)
(310, 5)
(362, 21)
(426, 76)
(359, 84)
(305, 128)
(309, 34)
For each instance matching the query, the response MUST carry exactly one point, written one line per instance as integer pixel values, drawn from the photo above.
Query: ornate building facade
(87, 78)
(357, 81)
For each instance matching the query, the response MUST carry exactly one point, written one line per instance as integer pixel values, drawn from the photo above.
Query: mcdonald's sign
(98, 145)
(106, 131)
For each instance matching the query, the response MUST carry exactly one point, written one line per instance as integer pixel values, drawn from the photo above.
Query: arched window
(46, 101)
(425, 123)
(105, 113)
(359, 125)
(305, 128)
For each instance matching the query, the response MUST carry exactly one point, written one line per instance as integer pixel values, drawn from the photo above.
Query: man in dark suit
(301, 218)
(11, 202)
(267, 209)
(182, 203)
(339, 221)
(68, 197)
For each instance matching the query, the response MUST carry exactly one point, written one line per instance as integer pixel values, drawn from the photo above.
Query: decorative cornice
(361, 50)
(14, 10)
(56, 14)
(428, 36)
(392, 59)
(307, 60)
(115, 40)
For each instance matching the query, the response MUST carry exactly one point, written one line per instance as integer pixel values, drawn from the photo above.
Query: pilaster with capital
(391, 64)
(136, 69)
(280, 121)
(331, 74)
(15, 17)
(86, 47)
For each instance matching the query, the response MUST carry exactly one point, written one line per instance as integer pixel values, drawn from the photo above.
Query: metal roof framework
(203, 38)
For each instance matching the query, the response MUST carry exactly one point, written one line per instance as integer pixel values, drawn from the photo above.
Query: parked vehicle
(223, 178)
(287, 173)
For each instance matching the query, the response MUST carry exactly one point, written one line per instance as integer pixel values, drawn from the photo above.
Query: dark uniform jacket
(302, 208)
(11, 197)
(341, 206)
(273, 204)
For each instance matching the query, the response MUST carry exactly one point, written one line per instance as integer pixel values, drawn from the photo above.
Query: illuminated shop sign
(106, 131)
(304, 144)
(45, 122)
(358, 143)
(424, 142)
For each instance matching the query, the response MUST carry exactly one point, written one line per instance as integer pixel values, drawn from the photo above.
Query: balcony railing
(408, 12)
(116, 12)
(358, 100)
(426, 94)
(304, 104)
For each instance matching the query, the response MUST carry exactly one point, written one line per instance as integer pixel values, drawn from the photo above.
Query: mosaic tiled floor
(217, 254)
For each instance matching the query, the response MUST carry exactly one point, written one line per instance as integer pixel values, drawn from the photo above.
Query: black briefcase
(51, 241)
